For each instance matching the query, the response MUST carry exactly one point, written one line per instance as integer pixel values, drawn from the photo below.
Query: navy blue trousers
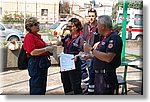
(38, 77)
(105, 83)
(72, 81)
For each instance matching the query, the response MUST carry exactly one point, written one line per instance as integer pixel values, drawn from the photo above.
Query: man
(107, 57)
(91, 36)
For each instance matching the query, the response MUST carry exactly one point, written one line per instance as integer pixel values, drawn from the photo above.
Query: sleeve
(29, 44)
(81, 44)
(64, 39)
(84, 31)
(114, 44)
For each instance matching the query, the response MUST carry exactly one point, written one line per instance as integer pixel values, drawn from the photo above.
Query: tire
(13, 38)
(139, 38)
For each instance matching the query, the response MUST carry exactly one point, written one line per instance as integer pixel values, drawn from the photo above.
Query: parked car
(57, 28)
(7, 34)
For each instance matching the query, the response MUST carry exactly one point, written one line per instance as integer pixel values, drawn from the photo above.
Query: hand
(95, 45)
(85, 57)
(75, 58)
(48, 48)
(87, 47)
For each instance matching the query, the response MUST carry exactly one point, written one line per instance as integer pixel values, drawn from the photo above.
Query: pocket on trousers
(44, 62)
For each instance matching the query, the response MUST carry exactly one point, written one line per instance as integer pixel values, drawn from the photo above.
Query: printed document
(67, 62)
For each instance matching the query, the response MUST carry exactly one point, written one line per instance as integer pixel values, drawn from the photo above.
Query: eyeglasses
(35, 24)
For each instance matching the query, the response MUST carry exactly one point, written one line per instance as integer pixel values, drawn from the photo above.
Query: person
(107, 57)
(90, 35)
(36, 49)
(73, 44)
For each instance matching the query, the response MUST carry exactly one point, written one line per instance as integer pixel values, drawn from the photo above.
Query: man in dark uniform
(107, 57)
(91, 36)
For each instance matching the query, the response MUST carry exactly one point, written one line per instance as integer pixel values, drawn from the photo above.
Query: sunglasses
(35, 24)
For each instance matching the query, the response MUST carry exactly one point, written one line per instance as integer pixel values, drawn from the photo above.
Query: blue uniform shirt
(113, 43)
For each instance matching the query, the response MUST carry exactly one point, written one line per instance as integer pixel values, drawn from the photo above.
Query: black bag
(22, 59)
(45, 62)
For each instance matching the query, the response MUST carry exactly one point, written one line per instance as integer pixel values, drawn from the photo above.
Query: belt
(102, 71)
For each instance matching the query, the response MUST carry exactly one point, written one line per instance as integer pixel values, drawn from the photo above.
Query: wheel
(13, 38)
(139, 38)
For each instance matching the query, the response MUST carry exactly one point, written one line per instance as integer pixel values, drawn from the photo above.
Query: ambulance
(134, 27)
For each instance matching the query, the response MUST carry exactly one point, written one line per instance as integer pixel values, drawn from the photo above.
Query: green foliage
(16, 17)
(134, 5)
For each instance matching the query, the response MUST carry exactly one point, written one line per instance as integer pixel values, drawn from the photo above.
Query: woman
(73, 44)
(37, 53)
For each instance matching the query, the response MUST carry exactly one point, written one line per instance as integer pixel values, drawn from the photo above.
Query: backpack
(22, 59)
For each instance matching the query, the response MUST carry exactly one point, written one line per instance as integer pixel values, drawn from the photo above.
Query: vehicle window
(54, 26)
(138, 19)
(120, 18)
(64, 26)
(2, 28)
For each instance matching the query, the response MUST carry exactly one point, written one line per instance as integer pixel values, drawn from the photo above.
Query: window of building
(44, 12)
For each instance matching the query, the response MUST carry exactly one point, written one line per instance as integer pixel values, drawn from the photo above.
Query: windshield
(54, 26)
(120, 18)
(138, 19)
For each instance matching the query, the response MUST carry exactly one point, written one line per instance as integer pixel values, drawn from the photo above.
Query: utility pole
(124, 22)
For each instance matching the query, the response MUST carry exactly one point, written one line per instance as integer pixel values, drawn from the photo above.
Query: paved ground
(15, 81)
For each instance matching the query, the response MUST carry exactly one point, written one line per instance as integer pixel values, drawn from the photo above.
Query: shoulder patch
(110, 46)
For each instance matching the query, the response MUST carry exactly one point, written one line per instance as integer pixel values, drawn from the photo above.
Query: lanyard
(69, 42)
(104, 38)
(90, 31)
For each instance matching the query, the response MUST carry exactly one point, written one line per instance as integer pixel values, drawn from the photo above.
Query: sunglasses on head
(91, 10)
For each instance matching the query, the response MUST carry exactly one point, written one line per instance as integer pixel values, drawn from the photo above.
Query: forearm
(37, 52)
(107, 57)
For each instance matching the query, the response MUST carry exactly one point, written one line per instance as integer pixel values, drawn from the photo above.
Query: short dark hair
(29, 22)
(77, 23)
(92, 10)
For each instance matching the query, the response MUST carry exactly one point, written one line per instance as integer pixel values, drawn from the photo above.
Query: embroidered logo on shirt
(103, 43)
(111, 41)
(75, 44)
(110, 46)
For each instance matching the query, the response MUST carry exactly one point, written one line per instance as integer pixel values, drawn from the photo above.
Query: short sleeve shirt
(32, 42)
(113, 43)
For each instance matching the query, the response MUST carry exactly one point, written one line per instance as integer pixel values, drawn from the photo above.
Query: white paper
(67, 62)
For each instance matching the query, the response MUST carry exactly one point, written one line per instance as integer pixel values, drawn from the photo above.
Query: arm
(37, 52)
(107, 57)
